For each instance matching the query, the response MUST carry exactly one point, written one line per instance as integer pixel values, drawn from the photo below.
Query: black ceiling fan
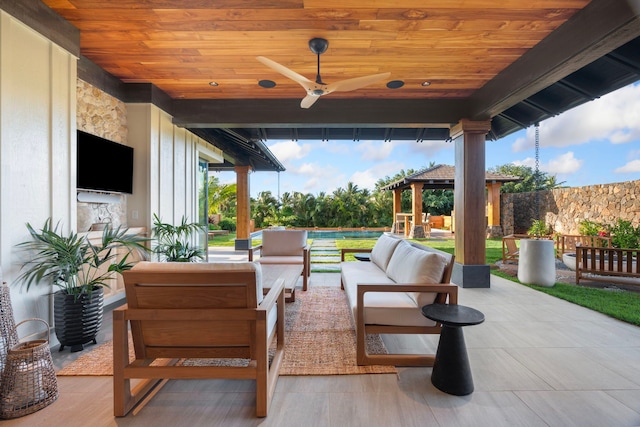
(318, 88)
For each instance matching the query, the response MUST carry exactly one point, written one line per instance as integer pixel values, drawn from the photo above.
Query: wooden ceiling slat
(181, 45)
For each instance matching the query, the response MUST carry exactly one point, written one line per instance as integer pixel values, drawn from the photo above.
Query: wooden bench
(607, 264)
(566, 243)
(214, 233)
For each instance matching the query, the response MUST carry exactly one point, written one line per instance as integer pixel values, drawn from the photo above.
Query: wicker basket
(8, 332)
(29, 380)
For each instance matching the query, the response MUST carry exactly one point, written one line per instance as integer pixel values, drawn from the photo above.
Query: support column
(397, 208)
(493, 210)
(471, 269)
(417, 230)
(243, 216)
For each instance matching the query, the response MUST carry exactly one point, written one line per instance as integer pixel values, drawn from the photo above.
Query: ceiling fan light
(395, 84)
(267, 84)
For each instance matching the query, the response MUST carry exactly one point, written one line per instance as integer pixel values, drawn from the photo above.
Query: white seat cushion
(413, 265)
(281, 259)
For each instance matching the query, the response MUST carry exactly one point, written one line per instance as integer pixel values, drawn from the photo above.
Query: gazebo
(442, 177)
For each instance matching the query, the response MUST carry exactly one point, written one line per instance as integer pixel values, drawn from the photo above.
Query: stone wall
(101, 114)
(564, 208)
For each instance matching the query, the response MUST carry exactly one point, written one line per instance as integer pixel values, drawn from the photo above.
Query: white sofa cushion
(281, 260)
(283, 242)
(413, 265)
(383, 250)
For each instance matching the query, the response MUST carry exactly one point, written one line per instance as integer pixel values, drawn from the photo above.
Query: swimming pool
(334, 234)
(330, 234)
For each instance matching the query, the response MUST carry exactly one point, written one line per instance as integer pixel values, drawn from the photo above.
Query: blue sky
(596, 143)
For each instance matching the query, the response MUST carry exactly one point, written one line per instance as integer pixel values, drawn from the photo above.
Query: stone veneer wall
(564, 208)
(101, 114)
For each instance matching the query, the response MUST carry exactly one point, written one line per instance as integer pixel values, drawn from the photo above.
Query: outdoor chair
(180, 311)
(284, 247)
(398, 225)
(510, 250)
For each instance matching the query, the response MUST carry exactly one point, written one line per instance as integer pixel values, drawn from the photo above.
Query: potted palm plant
(80, 270)
(174, 243)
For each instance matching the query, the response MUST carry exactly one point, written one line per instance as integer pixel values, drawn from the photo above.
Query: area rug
(320, 339)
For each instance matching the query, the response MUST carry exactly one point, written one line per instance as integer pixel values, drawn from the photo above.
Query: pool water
(344, 234)
(334, 234)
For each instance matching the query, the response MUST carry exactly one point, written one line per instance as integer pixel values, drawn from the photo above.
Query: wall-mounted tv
(104, 165)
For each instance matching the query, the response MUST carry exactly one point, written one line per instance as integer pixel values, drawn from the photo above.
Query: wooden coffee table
(290, 273)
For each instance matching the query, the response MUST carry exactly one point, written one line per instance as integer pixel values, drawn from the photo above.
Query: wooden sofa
(607, 264)
(386, 295)
(196, 310)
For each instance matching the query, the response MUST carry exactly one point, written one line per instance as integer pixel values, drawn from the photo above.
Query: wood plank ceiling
(515, 62)
(181, 46)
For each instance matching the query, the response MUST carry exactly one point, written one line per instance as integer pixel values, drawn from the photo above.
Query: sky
(595, 143)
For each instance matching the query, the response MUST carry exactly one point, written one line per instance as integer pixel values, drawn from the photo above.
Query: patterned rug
(320, 339)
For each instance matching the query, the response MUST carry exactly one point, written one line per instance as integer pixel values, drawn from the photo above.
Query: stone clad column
(471, 269)
(243, 217)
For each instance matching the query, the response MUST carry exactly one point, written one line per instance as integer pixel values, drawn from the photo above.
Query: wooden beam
(599, 28)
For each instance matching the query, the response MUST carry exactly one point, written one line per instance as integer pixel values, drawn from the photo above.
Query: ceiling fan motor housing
(318, 45)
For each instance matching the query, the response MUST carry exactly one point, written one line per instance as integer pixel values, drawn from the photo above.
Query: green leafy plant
(625, 235)
(227, 224)
(173, 242)
(590, 228)
(538, 229)
(71, 262)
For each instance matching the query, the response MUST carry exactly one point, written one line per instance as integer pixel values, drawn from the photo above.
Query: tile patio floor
(536, 361)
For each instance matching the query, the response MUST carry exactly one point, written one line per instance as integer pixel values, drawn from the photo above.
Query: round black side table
(451, 370)
(362, 256)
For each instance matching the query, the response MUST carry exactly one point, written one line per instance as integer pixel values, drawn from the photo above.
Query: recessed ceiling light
(395, 84)
(213, 84)
(267, 83)
(426, 83)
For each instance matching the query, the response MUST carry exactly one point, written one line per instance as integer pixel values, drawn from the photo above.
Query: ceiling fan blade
(298, 78)
(356, 83)
(308, 101)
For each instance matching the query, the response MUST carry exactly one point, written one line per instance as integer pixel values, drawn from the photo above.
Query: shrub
(625, 235)
(538, 229)
(227, 224)
(590, 228)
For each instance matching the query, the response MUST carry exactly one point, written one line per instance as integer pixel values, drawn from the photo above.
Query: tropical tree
(221, 197)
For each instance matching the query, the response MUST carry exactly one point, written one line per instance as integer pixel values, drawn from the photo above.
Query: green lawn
(621, 305)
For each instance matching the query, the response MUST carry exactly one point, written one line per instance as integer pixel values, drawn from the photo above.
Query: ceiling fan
(318, 88)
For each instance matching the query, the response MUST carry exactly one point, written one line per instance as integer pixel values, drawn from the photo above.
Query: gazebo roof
(442, 177)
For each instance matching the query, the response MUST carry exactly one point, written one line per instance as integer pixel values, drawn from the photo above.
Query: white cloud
(375, 150)
(632, 166)
(317, 178)
(613, 118)
(285, 151)
(368, 178)
(563, 164)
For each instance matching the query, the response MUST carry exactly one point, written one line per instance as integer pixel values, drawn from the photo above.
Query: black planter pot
(77, 322)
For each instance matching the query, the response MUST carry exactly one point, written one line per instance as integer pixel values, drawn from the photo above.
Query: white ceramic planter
(536, 262)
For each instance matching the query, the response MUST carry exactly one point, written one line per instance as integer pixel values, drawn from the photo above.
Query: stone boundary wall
(564, 208)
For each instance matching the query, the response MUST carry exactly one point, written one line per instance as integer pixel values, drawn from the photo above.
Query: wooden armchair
(284, 247)
(196, 310)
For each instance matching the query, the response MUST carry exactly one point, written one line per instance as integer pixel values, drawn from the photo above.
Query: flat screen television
(104, 165)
